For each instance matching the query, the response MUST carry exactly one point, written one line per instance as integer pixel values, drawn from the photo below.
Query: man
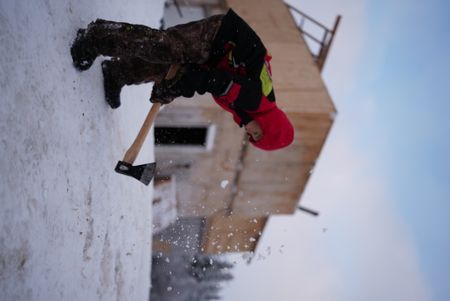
(221, 55)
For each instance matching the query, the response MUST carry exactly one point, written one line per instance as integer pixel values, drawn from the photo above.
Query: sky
(381, 182)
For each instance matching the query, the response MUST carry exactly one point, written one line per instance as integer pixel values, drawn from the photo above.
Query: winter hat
(278, 131)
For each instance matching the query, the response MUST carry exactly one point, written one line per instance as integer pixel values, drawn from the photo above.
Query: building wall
(231, 233)
(272, 182)
(258, 183)
(200, 174)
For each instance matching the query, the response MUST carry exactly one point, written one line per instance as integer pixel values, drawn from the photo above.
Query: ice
(224, 184)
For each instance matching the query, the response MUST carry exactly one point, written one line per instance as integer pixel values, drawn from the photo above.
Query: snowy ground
(71, 228)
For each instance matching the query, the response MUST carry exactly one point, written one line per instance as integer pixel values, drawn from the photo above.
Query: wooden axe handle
(135, 148)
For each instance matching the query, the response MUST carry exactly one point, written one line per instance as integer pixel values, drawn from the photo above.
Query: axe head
(143, 173)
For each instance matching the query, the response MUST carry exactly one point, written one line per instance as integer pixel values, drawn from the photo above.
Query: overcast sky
(382, 181)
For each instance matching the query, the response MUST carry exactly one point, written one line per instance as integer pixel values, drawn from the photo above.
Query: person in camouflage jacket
(221, 55)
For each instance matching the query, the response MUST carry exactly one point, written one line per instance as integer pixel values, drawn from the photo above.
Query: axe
(145, 172)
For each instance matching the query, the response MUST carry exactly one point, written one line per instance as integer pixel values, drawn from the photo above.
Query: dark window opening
(180, 136)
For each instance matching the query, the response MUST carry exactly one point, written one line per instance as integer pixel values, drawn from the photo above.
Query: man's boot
(113, 84)
(83, 53)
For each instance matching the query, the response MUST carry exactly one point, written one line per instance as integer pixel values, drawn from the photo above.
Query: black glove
(193, 79)
(204, 80)
(164, 93)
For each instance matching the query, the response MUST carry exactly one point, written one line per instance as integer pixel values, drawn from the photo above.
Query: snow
(164, 209)
(224, 183)
(71, 228)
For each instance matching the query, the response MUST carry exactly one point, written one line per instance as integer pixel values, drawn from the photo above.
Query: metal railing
(327, 37)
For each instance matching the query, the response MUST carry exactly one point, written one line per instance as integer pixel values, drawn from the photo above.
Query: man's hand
(163, 94)
(254, 130)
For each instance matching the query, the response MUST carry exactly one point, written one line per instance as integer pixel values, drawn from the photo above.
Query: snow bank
(71, 228)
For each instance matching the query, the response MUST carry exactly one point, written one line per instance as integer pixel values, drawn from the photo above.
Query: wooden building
(230, 185)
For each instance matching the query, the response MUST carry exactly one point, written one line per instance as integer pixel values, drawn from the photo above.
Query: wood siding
(259, 183)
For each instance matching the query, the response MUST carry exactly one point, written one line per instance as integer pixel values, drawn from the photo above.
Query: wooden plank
(224, 234)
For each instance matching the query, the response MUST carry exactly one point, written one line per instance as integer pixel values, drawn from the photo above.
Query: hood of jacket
(278, 131)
